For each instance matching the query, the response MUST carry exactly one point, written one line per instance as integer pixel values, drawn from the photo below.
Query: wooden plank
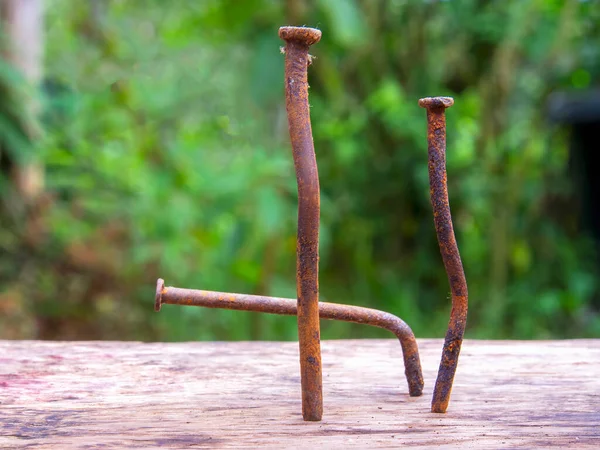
(57, 395)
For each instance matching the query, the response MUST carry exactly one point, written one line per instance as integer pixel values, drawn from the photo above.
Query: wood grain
(99, 395)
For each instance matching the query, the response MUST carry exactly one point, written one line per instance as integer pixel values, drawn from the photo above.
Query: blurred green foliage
(166, 153)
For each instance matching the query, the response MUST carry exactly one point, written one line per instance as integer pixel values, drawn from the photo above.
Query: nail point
(309, 36)
(436, 102)
(160, 285)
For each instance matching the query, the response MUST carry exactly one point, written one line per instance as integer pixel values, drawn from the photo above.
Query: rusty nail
(436, 140)
(288, 307)
(297, 42)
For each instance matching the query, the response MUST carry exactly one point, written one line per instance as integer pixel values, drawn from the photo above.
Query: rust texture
(297, 42)
(436, 139)
(288, 307)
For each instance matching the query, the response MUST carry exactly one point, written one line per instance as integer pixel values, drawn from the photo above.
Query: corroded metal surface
(307, 307)
(298, 40)
(288, 307)
(436, 137)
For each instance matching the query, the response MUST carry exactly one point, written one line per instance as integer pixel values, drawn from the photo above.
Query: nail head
(160, 285)
(309, 36)
(436, 102)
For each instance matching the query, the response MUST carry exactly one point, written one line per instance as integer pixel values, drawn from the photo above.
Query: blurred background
(147, 138)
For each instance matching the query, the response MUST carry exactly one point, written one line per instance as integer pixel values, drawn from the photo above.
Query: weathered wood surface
(247, 395)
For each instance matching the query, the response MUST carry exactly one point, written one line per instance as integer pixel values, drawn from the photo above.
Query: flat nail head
(308, 36)
(436, 102)
(160, 285)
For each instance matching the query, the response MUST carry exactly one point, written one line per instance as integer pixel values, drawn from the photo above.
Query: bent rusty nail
(288, 307)
(436, 140)
(297, 42)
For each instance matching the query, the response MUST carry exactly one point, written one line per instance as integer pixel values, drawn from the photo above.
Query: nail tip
(436, 102)
(417, 392)
(307, 35)
(439, 406)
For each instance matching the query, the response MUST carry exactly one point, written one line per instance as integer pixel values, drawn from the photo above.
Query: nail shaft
(288, 307)
(297, 59)
(436, 137)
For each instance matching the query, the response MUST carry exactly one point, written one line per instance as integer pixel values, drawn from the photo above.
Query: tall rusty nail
(436, 139)
(288, 307)
(297, 42)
